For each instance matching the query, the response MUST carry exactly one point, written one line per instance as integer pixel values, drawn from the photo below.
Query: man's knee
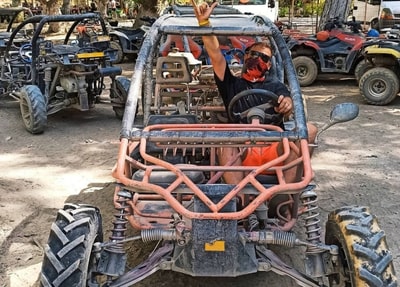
(312, 132)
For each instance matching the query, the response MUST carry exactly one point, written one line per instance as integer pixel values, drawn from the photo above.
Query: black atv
(127, 41)
(46, 76)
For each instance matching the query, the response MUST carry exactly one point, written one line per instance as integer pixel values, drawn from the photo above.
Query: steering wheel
(234, 56)
(241, 104)
(25, 52)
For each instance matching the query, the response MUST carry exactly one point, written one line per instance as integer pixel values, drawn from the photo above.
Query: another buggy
(46, 76)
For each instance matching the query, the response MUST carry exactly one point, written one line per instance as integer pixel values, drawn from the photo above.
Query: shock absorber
(113, 258)
(311, 220)
(47, 81)
(314, 262)
(120, 221)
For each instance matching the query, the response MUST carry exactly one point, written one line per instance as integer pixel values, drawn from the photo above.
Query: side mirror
(340, 113)
(271, 3)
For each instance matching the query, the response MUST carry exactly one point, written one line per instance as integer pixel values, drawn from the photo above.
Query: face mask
(254, 69)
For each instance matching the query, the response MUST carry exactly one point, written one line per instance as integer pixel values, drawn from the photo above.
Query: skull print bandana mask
(254, 70)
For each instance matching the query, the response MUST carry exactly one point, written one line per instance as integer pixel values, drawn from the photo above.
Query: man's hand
(285, 105)
(203, 11)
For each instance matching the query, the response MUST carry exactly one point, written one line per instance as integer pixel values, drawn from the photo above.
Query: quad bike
(380, 81)
(46, 76)
(339, 52)
(169, 186)
(127, 41)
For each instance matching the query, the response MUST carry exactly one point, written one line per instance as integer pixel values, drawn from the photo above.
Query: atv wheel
(33, 109)
(364, 258)
(120, 53)
(120, 95)
(68, 259)
(361, 68)
(379, 86)
(306, 70)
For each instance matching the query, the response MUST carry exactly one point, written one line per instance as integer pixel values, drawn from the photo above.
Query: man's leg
(230, 157)
(295, 173)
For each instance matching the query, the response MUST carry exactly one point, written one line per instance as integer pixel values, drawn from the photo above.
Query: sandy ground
(356, 163)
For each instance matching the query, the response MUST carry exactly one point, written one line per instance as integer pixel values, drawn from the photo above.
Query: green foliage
(283, 11)
(302, 7)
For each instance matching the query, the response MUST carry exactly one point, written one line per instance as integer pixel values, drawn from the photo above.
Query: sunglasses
(255, 54)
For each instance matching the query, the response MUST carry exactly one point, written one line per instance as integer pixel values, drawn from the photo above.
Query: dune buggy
(170, 188)
(380, 82)
(46, 75)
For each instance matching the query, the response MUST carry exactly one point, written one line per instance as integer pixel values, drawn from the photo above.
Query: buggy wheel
(379, 86)
(33, 109)
(306, 70)
(120, 95)
(364, 258)
(361, 68)
(68, 259)
(132, 57)
(120, 53)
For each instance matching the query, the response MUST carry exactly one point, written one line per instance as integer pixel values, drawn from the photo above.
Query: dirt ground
(356, 163)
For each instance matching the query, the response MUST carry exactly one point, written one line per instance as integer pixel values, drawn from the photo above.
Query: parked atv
(127, 41)
(46, 76)
(380, 83)
(333, 50)
(169, 185)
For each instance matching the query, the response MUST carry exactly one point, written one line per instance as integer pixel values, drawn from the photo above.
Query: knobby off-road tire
(121, 95)
(68, 254)
(379, 86)
(33, 109)
(306, 70)
(364, 257)
(120, 53)
(131, 57)
(361, 68)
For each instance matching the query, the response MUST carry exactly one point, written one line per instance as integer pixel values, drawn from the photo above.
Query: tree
(66, 7)
(51, 7)
(146, 8)
(334, 8)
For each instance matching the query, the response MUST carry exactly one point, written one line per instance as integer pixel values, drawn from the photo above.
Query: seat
(164, 176)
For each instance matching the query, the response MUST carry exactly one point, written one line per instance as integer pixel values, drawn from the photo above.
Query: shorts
(257, 156)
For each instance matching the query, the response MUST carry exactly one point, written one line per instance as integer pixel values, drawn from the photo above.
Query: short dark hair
(261, 44)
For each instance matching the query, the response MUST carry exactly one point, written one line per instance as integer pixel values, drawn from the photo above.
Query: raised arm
(211, 44)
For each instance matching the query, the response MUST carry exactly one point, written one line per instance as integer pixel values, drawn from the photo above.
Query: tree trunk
(102, 7)
(65, 8)
(146, 8)
(51, 7)
(334, 8)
